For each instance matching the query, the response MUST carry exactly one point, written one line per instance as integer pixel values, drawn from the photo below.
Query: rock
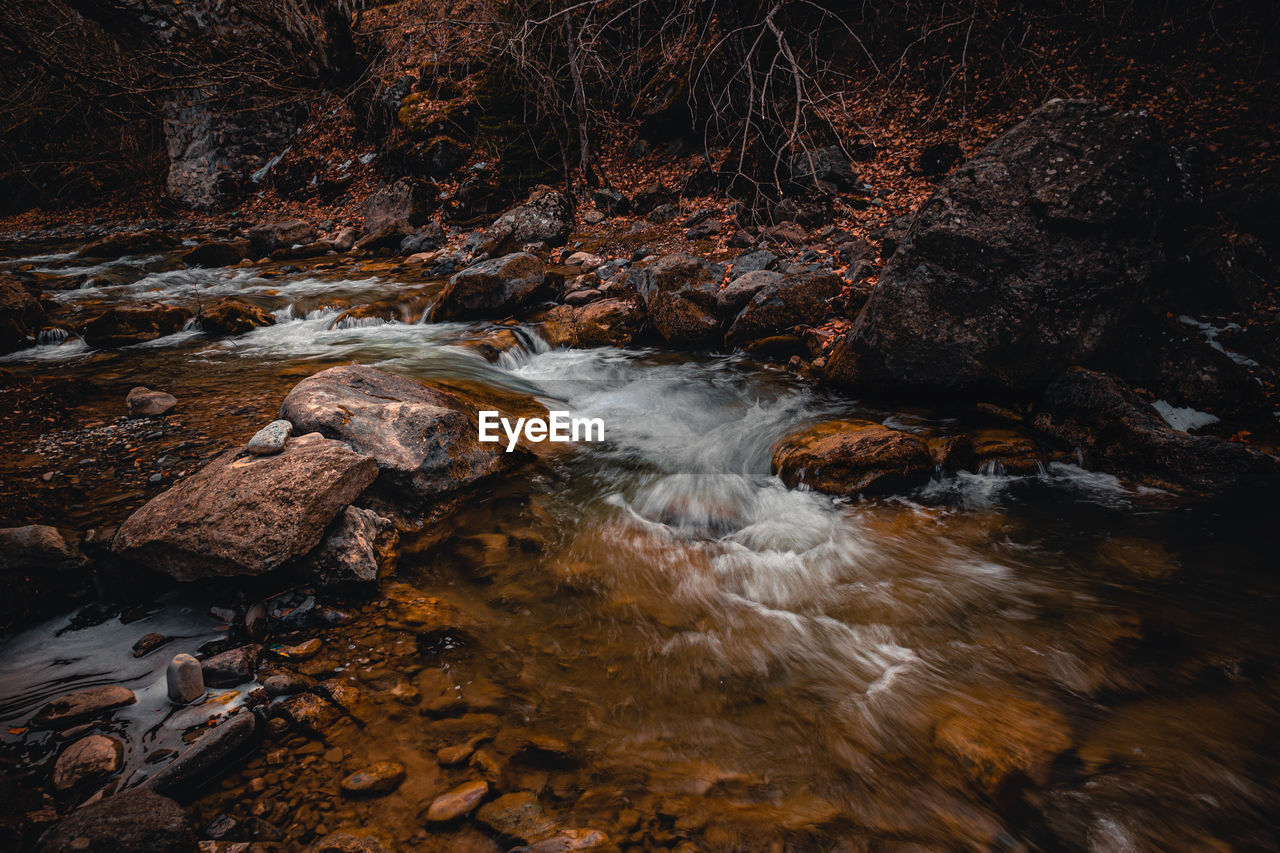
(827, 169)
(125, 325)
(217, 254)
(128, 243)
(215, 752)
(1039, 253)
(399, 207)
(301, 651)
(678, 293)
(255, 621)
(545, 216)
(232, 667)
(568, 839)
(310, 712)
(847, 457)
(145, 403)
(358, 547)
(231, 315)
(271, 439)
(148, 643)
(951, 452)
(184, 678)
(611, 322)
(495, 286)
(703, 230)
(782, 304)
(244, 514)
(451, 756)
(82, 705)
(739, 292)
(265, 239)
(585, 260)
(998, 738)
(381, 777)
(21, 315)
(517, 816)
(1003, 451)
(348, 841)
(749, 262)
(88, 759)
(429, 237)
(36, 547)
(346, 239)
(1115, 430)
(134, 820)
(286, 684)
(425, 441)
(458, 802)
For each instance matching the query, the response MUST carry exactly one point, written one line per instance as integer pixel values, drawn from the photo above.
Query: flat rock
(457, 802)
(271, 439)
(82, 705)
(424, 440)
(88, 759)
(138, 323)
(847, 457)
(216, 751)
(312, 713)
(518, 816)
(381, 777)
(232, 667)
(246, 515)
(145, 403)
(136, 819)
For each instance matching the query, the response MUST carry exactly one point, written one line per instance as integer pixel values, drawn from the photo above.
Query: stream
(661, 640)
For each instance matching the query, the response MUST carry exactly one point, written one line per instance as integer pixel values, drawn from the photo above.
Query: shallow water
(1056, 661)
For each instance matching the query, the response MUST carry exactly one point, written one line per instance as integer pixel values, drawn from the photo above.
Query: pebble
(382, 777)
(148, 643)
(452, 755)
(185, 679)
(233, 667)
(518, 816)
(458, 802)
(88, 758)
(271, 439)
(82, 704)
(286, 684)
(311, 712)
(301, 651)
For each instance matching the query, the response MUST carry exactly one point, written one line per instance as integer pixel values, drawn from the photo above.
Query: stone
(134, 820)
(496, 286)
(351, 841)
(848, 457)
(87, 760)
(517, 816)
(783, 304)
(381, 777)
(827, 169)
(1113, 429)
(232, 667)
(1004, 451)
(138, 323)
(82, 705)
(265, 239)
(184, 678)
(451, 756)
(1040, 253)
(128, 243)
(359, 547)
(996, 738)
(231, 316)
(286, 684)
(36, 547)
(586, 261)
(145, 403)
(757, 261)
(546, 216)
(346, 239)
(312, 713)
(608, 322)
(425, 441)
(271, 439)
(148, 643)
(213, 753)
(222, 253)
(246, 515)
(21, 315)
(737, 293)
(301, 651)
(255, 621)
(398, 208)
(457, 802)
(678, 293)
(569, 839)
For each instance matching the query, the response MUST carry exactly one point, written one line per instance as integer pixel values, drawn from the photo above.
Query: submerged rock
(425, 441)
(88, 759)
(311, 713)
(495, 286)
(134, 820)
(847, 457)
(679, 295)
(352, 841)
(517, 816)
(245, 515)
(998, 738)
(1039, 253)
(145, 403)
(134, 324)
(457, 802)
(232, 316)
(381, 777)
(82, 705)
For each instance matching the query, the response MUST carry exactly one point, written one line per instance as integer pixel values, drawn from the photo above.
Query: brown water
(663, 643)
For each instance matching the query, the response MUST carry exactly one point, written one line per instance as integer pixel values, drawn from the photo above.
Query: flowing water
(664, 643)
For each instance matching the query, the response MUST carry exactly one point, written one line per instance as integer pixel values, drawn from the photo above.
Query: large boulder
(245, 515)
(232, 315)
(609, 322)
(134, 821)
(129, 243)
(265, 239)
(679, 293)
(36, 547)
(1037, 254)
(21, 315)
(545, 217)
(848, 457)
(1114, 429)
(824, 168)
(399, 207)
(781, 305)
(425, 441)
(495, 286)
(125, 325)
(217, 253)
